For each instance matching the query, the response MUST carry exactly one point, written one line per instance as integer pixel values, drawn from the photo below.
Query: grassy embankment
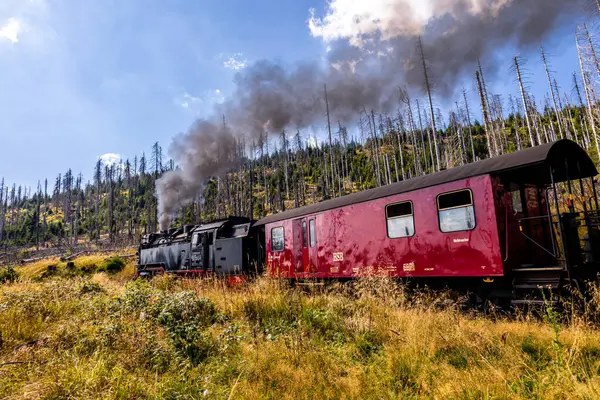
(80, 334)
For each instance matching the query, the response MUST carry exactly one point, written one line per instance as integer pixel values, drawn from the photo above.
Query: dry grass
(102, 336)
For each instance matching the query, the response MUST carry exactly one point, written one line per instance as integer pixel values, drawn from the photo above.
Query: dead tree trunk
(545, 61)
(524, 98)
(586, 89)
(469, 124)
(428, 88)
(484, 111)
(330, 141)
(486, 100)
(375, 146)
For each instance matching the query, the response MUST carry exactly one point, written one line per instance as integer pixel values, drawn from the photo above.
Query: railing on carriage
(574, 215)
(574, 218)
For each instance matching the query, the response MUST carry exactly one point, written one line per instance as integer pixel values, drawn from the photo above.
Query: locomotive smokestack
(371, 52)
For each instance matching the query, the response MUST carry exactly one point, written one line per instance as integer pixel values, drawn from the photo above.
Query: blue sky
(84, 78)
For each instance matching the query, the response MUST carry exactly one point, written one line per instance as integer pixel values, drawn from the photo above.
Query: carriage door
(538, 224)
(300, 245)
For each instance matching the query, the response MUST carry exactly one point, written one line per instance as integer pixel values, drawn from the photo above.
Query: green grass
(100, 335)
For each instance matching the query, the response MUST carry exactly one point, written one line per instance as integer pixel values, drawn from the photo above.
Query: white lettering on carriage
(408, 267)
(464, 240)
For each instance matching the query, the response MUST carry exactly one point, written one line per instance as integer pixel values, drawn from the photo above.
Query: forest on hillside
(273, 173)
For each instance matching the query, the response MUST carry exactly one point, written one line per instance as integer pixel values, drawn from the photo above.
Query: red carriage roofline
(530, 165)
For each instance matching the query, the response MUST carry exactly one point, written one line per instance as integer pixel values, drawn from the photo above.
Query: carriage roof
(565, 158)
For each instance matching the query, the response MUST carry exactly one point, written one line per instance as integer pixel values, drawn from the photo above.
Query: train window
(517, 203)
(456, 212)
(196, 240)
(313, 237)
(515, 195)
(277, 239)
(400, 220)
(304, 241)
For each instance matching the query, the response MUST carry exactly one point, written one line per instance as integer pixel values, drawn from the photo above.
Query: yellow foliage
(37, 268)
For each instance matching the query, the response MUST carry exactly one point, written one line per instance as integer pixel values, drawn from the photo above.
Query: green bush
(136, 297)
(273, 316)
(185, 308)
(112, 266)
(185, 318)
(90, 287)
(8, 275)
(324, 324)
(367, 343)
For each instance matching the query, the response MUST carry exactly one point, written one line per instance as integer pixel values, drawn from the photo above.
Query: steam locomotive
(501, 227)
(223, 247)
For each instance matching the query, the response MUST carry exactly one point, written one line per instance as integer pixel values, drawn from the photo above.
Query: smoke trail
(205, 150)
(372, 52)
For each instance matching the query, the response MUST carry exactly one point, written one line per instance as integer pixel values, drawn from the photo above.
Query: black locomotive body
(223, 247)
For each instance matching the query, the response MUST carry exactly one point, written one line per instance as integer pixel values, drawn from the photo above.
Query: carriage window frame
(312, 232)
(304, 235)
(471, 204)
(516, 197)
(278, 250)
(412, 214)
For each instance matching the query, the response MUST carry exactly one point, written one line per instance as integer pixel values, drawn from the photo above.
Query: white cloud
(110, 158)
(187, 100)
(10, 30)
(191, 102)
(235, 61)
(356, 20)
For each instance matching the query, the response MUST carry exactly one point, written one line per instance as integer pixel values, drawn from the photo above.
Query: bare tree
(524, 98)
(587, 88)
(548, 75)
(484, 111)
(330, 141)
(428, 89)
(468, 114)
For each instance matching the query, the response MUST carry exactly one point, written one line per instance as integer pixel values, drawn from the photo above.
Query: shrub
(185, 317)
(90, 287)
(275, 315)
(368, 343)
(136, 297)
(8, 275)
(154, 356)
(112, 265)
(324, 323)
(186, 308)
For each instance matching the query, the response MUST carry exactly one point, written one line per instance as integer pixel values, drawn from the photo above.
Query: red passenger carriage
(490, 221)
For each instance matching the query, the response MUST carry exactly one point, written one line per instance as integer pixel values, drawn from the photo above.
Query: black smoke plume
(269, 97)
